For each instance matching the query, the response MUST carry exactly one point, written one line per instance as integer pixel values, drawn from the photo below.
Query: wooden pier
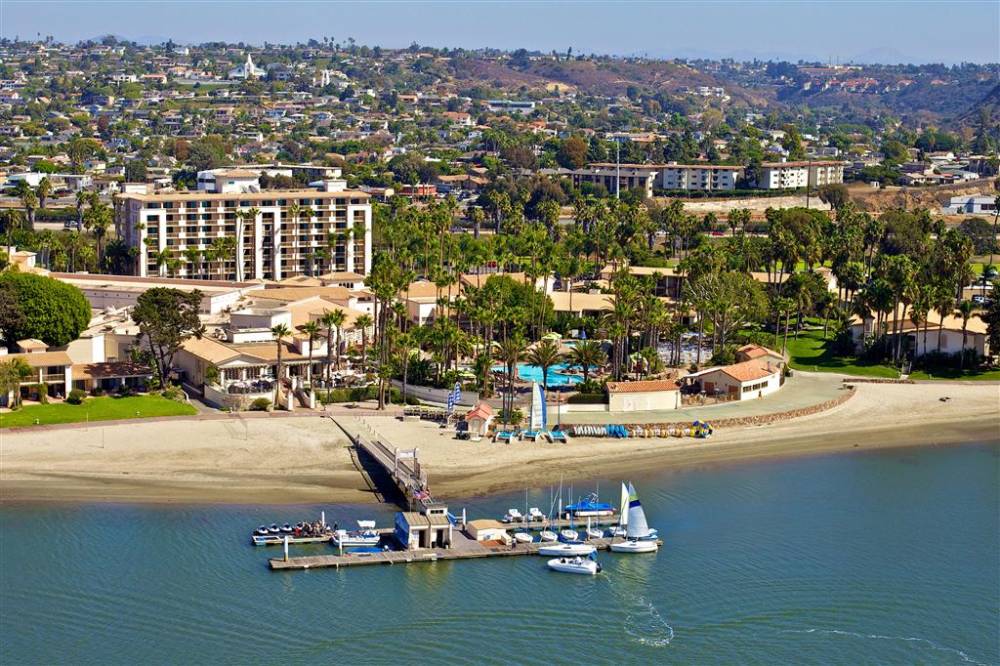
(402, 465)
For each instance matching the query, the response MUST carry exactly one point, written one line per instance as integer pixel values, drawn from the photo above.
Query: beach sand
(291, 460)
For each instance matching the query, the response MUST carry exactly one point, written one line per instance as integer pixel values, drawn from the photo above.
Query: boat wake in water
(922, 642)
(645, 624)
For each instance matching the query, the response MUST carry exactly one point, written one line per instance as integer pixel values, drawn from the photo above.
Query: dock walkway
(464, 549)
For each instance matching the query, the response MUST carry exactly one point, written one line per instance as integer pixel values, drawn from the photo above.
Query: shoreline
(308, 461)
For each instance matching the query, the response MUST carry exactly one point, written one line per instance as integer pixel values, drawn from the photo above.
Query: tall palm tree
(510, 351)
(43, 191)
(965, 309)
(98, 220)
(545, 354)
(333, 320)
(193, 256)
(82, 198)
(587, 354)
(280, 332)
(944, 302)
(364, 322)
(29, 201)
(312, 329)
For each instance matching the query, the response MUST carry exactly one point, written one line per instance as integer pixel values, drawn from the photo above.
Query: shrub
(75, 397)
(724, 356)
(260, 405)
(173, 393)
(587, 399)
(43, 393)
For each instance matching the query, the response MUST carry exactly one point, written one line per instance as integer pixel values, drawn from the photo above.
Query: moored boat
(635, 546)
(365, 535)
(589, 507)
(523, 537)
(569, 536)
(548, 535)
(576, 565)
(567, 550)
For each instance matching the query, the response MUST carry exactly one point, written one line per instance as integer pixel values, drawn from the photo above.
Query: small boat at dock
(589, 507)
(548, 535)
(569, 536)
(575, 565)
(635, 546)
(523, 537)
(567, 550)
(365, 535)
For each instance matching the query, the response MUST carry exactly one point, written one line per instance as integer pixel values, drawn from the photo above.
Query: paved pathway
(803, 389)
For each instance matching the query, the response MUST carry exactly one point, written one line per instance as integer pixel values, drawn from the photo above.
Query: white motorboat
(513, 516)
(548, 535)
(595, 533)
(567, 550)
(523, 537)
(286, 528)
(576, 565)
(569, 535)
(261, 531)
(365, 535)
(535, 514)
(635, 546)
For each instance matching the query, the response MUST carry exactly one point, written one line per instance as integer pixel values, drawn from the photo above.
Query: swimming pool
(533, 373)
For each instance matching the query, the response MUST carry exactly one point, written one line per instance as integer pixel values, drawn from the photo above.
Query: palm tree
(98, 220)
(82, 197)
(944, 302)
(29, 201)
(312, 329)
(406, 345)
(43, 191)
(193, 256)
(964, 310)
(333, 320)
(586, 354)
(280, 332)
(510, 351)
(364, 322)
(163, 258)
(545, 354)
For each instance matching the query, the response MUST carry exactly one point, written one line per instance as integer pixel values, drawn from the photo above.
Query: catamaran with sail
(639, 537)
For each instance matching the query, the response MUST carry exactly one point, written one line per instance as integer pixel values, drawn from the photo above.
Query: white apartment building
(794, 175)
(699, 176)
(274, 238)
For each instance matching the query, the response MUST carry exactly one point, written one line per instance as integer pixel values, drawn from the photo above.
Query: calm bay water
(889, 557)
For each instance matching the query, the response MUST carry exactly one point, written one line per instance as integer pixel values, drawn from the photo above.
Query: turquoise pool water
(557, 374)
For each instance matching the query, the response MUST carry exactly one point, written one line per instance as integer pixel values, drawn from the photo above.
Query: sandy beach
(291, 460)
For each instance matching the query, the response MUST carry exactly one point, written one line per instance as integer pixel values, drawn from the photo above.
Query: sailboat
(639, 538)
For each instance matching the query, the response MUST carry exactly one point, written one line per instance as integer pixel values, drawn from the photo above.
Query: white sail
(536, 420)
(623, 507)
(637, 527)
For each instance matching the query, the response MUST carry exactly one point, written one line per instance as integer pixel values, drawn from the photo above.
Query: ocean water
(869, 558)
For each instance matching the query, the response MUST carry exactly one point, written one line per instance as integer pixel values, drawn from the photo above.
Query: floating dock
(463, 548)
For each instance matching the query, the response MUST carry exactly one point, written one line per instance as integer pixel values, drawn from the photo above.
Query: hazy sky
(832, 30)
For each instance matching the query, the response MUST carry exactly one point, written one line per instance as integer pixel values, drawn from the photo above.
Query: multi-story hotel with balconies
(275, 234)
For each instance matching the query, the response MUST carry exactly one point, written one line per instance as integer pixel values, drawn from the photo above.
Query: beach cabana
(479, 419)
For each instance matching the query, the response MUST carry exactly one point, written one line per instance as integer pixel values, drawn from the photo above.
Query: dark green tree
(53, 311)
(166, 318)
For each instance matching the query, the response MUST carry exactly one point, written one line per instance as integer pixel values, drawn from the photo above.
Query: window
(168, 204)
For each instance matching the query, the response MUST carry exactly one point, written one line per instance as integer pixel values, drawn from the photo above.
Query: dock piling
(286, 547)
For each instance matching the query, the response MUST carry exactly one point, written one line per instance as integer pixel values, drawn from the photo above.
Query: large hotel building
(277, 233)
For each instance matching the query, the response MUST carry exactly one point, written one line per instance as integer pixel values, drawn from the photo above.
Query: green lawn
(809, 352)
(973, 376)
(96, 409)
